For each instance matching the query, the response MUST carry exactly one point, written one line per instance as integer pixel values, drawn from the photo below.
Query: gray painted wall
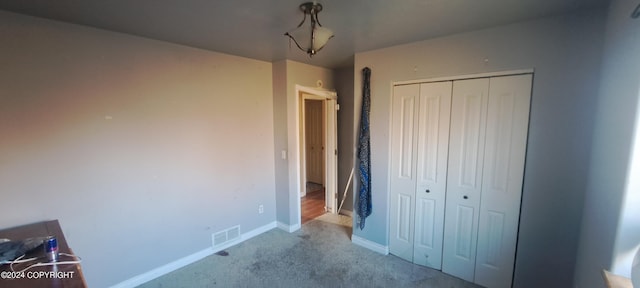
(611, 222)
(142, 149)
(344, 87)
(565, 52)
(281, 168)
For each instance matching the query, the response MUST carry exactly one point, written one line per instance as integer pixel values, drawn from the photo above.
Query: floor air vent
(226, 236)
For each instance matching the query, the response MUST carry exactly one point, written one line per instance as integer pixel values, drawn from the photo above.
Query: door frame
(331, 170)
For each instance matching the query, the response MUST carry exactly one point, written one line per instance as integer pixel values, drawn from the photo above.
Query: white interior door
(464, 183)
(403, 170)
(506, 140)
(433, 145)
(314, 141)
(331, 152)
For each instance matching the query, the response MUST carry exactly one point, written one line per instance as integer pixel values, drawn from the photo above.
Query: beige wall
(142, 149)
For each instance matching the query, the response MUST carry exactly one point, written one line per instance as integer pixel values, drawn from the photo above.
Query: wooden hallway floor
(312, 203)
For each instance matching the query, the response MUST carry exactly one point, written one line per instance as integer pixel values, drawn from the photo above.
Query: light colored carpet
(319, 255)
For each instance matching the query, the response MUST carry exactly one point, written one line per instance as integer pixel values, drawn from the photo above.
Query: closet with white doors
(457, 166)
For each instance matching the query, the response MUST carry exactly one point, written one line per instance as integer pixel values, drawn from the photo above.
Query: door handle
(427, 191)
(465, 197)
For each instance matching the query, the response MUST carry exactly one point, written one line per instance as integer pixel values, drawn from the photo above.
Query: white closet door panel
(464, 181)
(433, 141)
(506, 137)
(403, 170)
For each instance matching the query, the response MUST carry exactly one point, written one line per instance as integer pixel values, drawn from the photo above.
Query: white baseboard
(164, 269)
(175, 265)
(256, 232)
(347, 213)
(289, 228)
(373, 246)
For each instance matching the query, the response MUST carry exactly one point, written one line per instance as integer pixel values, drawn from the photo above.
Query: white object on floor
(615, 281)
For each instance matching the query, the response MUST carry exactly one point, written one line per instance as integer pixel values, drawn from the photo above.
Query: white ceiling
(255, 28)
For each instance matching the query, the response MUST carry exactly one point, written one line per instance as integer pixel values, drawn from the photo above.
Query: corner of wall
(281, 166)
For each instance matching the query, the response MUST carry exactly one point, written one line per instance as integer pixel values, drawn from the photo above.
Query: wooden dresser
(61, 275)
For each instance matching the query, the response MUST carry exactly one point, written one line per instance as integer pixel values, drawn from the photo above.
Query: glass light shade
(302, 37)
(310, 36)
(322, 36)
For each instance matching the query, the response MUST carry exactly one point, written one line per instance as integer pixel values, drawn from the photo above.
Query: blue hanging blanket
(364, 153)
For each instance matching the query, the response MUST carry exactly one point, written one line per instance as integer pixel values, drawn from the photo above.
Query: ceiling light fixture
(313, 34)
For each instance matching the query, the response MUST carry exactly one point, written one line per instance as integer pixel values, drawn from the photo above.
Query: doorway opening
(313, 200)
(317, 147)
